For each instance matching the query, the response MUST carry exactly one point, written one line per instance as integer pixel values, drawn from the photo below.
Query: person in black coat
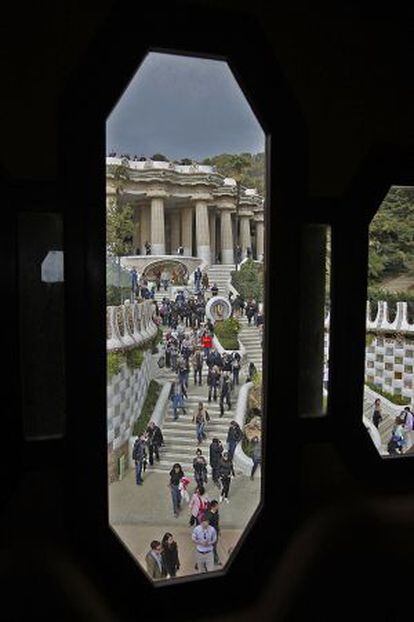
(169, 555)
(155, 440)
(226, 471)
(216, 450)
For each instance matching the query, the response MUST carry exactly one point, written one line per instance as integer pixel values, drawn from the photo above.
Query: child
(182, 487)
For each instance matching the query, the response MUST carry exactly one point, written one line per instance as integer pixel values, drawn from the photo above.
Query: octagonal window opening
(185, 172)
(388, 392)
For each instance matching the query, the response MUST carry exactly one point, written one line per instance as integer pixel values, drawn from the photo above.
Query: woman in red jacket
(207, 343)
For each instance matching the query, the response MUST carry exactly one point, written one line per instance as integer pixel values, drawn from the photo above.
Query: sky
(183, 108)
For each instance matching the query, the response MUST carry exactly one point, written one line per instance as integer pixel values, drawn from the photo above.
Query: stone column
(202, 231)
(212, 217)
(175, 230)
(260, 239)
(145, 227)
(227, 255)
(245, 237)
(187, 230)
(157, 226)
(136, 239)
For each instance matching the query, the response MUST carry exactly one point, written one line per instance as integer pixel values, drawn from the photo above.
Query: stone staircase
(251, 338)
(220, 274)
(180, 435)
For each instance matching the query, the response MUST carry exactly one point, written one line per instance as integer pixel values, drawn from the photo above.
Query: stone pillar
(187, 230)
(227, 255)
(245, 237)
(145, 227)
(136, 236)
(260, 239)
(157, 226)
(202, 231)
(175, 230)
(212, 217)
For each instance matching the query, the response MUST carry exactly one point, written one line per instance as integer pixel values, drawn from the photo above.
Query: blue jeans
(232, 448)
(176, 497)
(200, 432)
(138, 472)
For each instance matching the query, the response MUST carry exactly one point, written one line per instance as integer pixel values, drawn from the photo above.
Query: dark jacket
(175, 477)
(234, 434)
(226, 468)
(138, 453)
(155, 437)
(213, 518)
(215, 454)
(170, 559)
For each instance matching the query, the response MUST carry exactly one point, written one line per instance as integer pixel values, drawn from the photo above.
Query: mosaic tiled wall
(125, 397)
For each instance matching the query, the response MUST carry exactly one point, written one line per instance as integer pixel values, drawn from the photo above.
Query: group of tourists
(162, 560)
(151, 440)
(402, 434)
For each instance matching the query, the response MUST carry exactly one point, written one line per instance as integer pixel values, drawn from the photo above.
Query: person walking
(216, 450)
(200, 468)
(147, 246)
(134, 282)
(213, 517)
(226, 472)
(407, 420)
(198, 505)
(204, 536)
(177, 394)
(197, 362)
(169, 554)
(235, 368)
(256, 456)
(225, 392)
(207, 343)
(234, 436)
(376, 415)
(154, 562)
(213, 382)
(176, 474)
(139, 454)
(200, 417)
(155, 440)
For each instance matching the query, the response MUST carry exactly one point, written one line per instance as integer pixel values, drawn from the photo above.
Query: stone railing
(381, 322)
(129, 325)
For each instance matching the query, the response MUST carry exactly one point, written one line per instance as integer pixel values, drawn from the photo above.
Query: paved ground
(140, 514)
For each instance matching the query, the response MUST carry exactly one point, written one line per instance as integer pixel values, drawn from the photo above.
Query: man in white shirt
(204, 536)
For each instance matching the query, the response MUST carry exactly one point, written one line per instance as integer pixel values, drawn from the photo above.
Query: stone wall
(126, 393)
(389, 363)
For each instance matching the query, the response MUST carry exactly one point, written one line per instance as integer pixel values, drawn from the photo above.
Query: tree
(119, 221)
(391, 235)
(159, 157)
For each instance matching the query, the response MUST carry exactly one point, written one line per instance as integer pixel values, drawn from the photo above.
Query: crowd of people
(402, 433)
(188, 350)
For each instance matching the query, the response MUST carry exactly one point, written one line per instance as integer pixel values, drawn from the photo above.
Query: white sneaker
(221, 499)
(226, 500)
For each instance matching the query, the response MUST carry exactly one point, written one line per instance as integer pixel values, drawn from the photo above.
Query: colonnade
(202, 230)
